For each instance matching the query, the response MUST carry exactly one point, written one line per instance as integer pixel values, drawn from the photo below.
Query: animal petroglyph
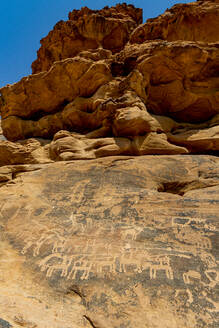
(131, 232)
(50, 237)
(104, 263)
(180, 222)
(196, 238)
(160, 263)
(80, 266)
(71, 265)
(87, 246)
(153, 263)
(127, 260)
(63, 264)
(191, 274)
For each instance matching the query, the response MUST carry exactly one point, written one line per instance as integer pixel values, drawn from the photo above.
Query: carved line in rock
(77, 258)
(84, 262)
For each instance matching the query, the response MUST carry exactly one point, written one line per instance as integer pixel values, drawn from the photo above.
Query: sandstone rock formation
(153, 87)
(196, 21)
(109, 175)
(1, 132)
(88, 29)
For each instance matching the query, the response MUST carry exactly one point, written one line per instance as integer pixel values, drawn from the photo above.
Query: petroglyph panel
(85, 247)
(109, 227)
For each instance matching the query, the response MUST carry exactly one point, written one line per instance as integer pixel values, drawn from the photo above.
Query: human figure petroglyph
(191, 274)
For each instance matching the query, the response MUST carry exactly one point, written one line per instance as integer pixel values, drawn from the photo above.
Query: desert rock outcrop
(153, 87)
(88, 29)
(109, 174)
(196, 21)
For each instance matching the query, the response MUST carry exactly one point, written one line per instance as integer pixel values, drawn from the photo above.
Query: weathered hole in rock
(173, 187)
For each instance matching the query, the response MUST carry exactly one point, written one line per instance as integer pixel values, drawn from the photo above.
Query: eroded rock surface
(111, 241)
(88, 29)
(196, 21)
(94, 233)
(169, 80)
(168, 87)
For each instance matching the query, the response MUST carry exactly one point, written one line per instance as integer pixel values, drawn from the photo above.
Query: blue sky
(24, 22)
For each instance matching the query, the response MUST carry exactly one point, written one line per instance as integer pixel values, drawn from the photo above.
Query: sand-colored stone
(87, 29)
(111, 242)
(169, 79)
(47, 92)
(195, 21)
(109, 179)
(30, 151)
(200, 141)
(69, 146)
(180, 77)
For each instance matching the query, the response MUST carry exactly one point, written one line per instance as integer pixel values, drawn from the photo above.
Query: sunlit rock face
(168, 87)
(196, 21)
(116, 241)
(109, 175)
(108, 28)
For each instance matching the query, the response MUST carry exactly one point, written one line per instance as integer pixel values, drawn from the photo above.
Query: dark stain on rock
(4, 324)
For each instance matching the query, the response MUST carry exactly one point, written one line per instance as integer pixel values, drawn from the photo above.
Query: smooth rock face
(196, 21)
(113, 242)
